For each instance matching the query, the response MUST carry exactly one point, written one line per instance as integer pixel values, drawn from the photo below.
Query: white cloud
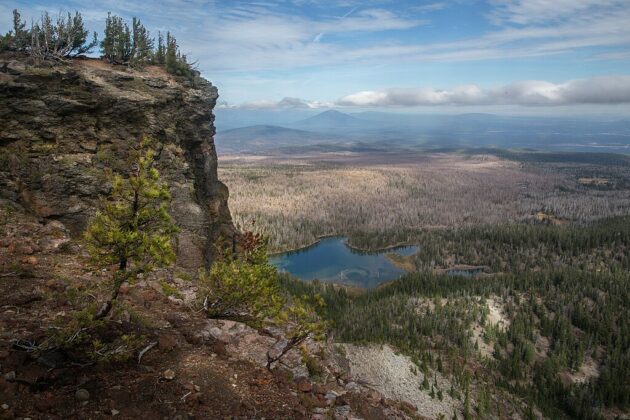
(268, 40)
(284, 103)
(526, 12)
(431, 7)
(606, 90)
(370, 20)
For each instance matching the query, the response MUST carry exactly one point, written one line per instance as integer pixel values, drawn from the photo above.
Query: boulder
(303, 384)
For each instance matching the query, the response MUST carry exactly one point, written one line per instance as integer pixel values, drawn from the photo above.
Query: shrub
(245, 286)
(242, 286)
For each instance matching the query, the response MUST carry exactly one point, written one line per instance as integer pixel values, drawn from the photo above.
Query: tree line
(603, 245)
(65, 37)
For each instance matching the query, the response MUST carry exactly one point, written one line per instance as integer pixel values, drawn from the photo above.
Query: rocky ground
(397, 377)
(190, 367)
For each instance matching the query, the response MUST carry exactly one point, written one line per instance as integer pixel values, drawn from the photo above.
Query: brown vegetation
(296, 200)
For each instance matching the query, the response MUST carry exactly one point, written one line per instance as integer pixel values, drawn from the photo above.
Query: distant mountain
(434, 130)
(259, 138)
(331, 121)
(229, 118)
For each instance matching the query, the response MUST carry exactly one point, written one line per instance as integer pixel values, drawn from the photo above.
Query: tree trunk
(295, 341)
(119, 279)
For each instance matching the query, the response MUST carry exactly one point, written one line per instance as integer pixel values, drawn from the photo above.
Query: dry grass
(295, 201)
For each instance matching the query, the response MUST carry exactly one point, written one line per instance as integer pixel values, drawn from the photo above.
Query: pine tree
(467, 414)
(160, 51)
(174, 61)
(134, 229)
(107, 44)
(65, 38)
(20, 34)
(116, 47)
(142, 44)
(302, 321)
(170, 59)
(123, 44)
(77, 36)
(243, 286)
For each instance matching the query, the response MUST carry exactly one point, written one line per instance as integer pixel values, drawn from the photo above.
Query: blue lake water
(331, 260)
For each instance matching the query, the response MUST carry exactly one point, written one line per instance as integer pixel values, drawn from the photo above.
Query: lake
(331, 260)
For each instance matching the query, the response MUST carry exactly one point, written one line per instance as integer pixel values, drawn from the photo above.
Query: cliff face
(63, 127)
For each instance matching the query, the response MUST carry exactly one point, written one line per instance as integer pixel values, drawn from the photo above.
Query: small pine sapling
(133, 229)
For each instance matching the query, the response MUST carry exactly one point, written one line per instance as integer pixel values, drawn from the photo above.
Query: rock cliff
(64, 126)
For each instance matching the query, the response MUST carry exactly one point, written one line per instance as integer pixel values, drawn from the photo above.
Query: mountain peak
(332, 112)
(330, 119)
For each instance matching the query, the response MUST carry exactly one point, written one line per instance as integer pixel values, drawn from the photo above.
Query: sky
(516, 56)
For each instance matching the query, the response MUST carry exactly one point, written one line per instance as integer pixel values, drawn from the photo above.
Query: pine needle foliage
(245, 286)
(134, 46)
(117, 44)
(64, 37)
(133, 229)
(242, 286)
(123, 45)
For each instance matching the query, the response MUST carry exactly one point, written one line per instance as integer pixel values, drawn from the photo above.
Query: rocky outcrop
(63, 127)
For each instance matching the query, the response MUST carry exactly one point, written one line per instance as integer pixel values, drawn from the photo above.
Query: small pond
(331, 260)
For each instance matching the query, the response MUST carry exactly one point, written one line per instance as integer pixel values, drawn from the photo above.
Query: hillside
(260, 138)
(515, 303)
(331, 120)
(66, 126)
(435, 131)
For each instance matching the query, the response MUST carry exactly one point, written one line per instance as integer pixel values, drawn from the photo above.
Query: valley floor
(296, 198)
(540, 328)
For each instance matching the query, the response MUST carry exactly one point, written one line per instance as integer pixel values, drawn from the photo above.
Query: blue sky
(526, 56)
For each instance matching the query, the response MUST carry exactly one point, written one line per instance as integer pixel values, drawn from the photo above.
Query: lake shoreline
(387, 248)
(400, 261)
(331, 260)
(301, 248)
(346, 243)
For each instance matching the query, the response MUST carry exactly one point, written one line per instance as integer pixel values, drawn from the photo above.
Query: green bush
(243, 286)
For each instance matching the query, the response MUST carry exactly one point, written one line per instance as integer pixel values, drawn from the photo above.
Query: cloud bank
(284, 103)
(602, 90)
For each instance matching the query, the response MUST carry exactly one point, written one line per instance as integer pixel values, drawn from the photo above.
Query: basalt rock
(63, 127)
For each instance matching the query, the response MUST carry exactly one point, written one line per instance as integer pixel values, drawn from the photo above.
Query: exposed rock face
(63, 126)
